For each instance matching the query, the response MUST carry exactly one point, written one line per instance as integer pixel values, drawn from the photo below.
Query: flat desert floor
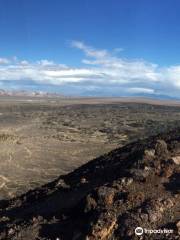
(41, 139)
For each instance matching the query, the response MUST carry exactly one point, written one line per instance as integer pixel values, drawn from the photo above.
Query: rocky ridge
(107, 198)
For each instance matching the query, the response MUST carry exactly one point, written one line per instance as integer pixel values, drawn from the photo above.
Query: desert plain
(42, 138)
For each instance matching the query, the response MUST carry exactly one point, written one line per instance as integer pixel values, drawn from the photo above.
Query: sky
(91, 47)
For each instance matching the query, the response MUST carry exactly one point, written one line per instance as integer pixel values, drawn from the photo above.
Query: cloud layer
(101, 73)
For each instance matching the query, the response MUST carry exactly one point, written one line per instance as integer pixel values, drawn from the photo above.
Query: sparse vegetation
(44, 139)
(105, 199)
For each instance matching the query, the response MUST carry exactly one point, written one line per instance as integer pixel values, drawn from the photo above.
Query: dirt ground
(41, 139)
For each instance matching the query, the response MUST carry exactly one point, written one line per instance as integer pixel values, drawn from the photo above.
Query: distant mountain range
(29, 93)
(24, 93)
(156, 96)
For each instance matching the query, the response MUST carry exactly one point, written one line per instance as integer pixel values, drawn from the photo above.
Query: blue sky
(91, 47)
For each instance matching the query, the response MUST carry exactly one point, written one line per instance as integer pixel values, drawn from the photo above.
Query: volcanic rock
(107, 198)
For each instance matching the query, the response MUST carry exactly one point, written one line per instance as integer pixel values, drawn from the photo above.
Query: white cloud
(4, 61)
(90, 52)
(118, 69)
(141, 90)
(173, 74)
(118, 50)
(45, 62)
(24, 62)
(102, 69)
